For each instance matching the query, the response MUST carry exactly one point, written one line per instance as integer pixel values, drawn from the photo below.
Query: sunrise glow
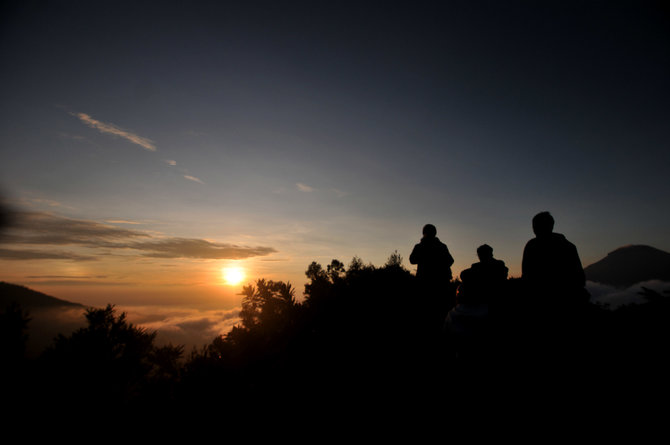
(232, 275)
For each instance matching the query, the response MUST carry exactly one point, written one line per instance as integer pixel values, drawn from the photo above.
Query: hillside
(30, 299)
(48, 316)
(630, 265)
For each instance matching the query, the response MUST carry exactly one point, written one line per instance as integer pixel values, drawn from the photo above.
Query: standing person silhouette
(554, 282)
(434, 262)
(551, 268)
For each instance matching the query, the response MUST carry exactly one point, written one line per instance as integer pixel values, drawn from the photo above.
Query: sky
(146, 146)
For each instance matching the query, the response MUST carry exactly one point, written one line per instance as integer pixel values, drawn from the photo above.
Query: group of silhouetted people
(552, 279)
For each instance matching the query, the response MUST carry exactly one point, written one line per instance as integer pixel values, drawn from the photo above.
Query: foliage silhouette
(356, 331)
(357, 335)
(13, 333)
(109, 361)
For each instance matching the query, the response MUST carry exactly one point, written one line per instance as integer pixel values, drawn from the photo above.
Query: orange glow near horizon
(232, 275)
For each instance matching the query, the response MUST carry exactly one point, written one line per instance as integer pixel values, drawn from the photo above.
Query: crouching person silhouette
(468, 322)
(433, 261)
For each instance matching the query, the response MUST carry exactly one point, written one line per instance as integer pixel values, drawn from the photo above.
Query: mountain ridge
(630, 264)
(30, 299)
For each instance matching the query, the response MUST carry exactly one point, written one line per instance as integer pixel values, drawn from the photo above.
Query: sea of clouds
(614, 297)
(196, 328)
(192, 328)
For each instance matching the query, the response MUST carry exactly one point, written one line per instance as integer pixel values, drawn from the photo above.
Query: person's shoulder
(531, 243)
(438, 242)
(559, 238)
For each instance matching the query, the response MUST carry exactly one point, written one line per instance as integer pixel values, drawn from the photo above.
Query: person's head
(543, 224)
(484, 252)
(429, 231)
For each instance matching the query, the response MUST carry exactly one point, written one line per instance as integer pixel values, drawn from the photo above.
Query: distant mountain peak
(635, 248)
(29, 298)
(629, 265)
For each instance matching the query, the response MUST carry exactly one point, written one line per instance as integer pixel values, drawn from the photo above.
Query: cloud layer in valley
(190, 328)
(614, 297)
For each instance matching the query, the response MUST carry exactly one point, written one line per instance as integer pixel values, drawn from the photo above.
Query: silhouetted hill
(48, 316)
(30, 299)
(630, 265)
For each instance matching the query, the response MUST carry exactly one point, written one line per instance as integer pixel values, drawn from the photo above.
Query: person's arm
(448, 258)
(580, 276)
(415, 256)
(503, 270)
(526, 261)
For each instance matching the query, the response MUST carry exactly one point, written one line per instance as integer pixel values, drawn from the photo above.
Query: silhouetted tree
(110, 362)
(267, 304)
(14, 369)
(13, 333)
(358, 332)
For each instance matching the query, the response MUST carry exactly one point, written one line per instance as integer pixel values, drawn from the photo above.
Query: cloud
(193, 178)
(27, 254)
(339, 193)
(73, 277)
(171, 162)
(304, 188)
(47, 229)
(112, 129)
(121, 221)
(74, 280)
(615, 297)
(42, 202)
(198, 248)
(78, 282)
(188, 327)
(46, 323)
(48, 202)
(50, 229)
(191, 328)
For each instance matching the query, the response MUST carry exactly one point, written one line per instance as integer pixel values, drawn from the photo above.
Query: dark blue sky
(328, 131)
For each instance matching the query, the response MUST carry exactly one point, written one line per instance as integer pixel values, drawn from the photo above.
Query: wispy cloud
(171, 162)
(304, 187)
(339, 193)
(121, 221)
(41, 202)
(114, 130)
(193, 178)
(75, 280)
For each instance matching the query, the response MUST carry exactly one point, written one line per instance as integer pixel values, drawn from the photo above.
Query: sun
(232, 275)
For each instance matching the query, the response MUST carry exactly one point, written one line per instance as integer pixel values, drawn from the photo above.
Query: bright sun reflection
(232, 275)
